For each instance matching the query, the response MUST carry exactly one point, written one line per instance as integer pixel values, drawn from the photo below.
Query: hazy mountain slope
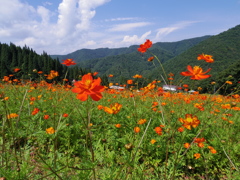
(172, 47)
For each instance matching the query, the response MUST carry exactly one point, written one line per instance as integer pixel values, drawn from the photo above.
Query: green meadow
(47, 133)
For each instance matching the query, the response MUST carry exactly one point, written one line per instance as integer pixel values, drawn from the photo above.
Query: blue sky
(64, 26)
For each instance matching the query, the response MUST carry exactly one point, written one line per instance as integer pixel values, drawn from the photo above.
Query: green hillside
(224, 48)
(174, 48)
(125, 65)
(86, 54)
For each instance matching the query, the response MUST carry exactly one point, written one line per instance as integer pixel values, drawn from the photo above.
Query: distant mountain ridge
(123, 63)
(86, 54)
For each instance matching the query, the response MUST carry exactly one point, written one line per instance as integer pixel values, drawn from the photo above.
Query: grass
(86, 144)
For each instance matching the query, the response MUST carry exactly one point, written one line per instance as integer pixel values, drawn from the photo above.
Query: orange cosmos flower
(150, 58)
(142, 121)
(137, 76)
(52, 74)
(88, 86)
(189, 121)
(197, 155)
(6, 78)
(212, 149)
(50, 130)
(12, 115)
(137, 129)
(228, 82)
(199, 140)
(201, 145)
(180, 129)
(46, 116)
(143, 47)
(68, 62)
(153, 141)
(187, 145)
(196, 73)
(100, 107)
(113, 109)
(129, 81)
(117, 125)
(110, 75)
(205, 57)
(199, 106)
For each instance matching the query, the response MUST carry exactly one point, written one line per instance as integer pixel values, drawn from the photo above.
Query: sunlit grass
(29, 151)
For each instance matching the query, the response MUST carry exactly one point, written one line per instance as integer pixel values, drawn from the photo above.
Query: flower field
(88, 131)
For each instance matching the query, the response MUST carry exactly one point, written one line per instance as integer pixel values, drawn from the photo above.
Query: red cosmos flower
(158, 130)
(143, 47)
(35, 111)
(88, 86)
(6, 78)
(68, 62)
(95, 73)
(199, 140)
(46, 116)
(150, 58)
(65, 115)
(205, 57)
(16, 69)
(196, 72)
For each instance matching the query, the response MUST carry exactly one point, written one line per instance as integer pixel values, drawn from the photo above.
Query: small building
(116, 87)
(171, 88)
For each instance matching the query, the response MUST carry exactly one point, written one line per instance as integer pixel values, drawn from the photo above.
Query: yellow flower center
(189, 119)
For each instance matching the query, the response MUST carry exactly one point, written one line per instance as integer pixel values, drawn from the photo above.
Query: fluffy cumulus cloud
(22, 24)
(135, 39)
(70, 26)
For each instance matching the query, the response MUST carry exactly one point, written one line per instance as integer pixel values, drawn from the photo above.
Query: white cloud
(165, 31)
(44, 14)
(162, 32)
(128, 26)
(47, 3)
(121, 19)
(14, 12)
(135, 39)
(90, 43)
(23, 24)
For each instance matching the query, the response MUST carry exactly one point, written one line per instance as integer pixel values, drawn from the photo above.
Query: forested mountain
(130, 62)
(86, 54)
(25, 64)
(224, 48)
(123, 63)
(173, 48)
